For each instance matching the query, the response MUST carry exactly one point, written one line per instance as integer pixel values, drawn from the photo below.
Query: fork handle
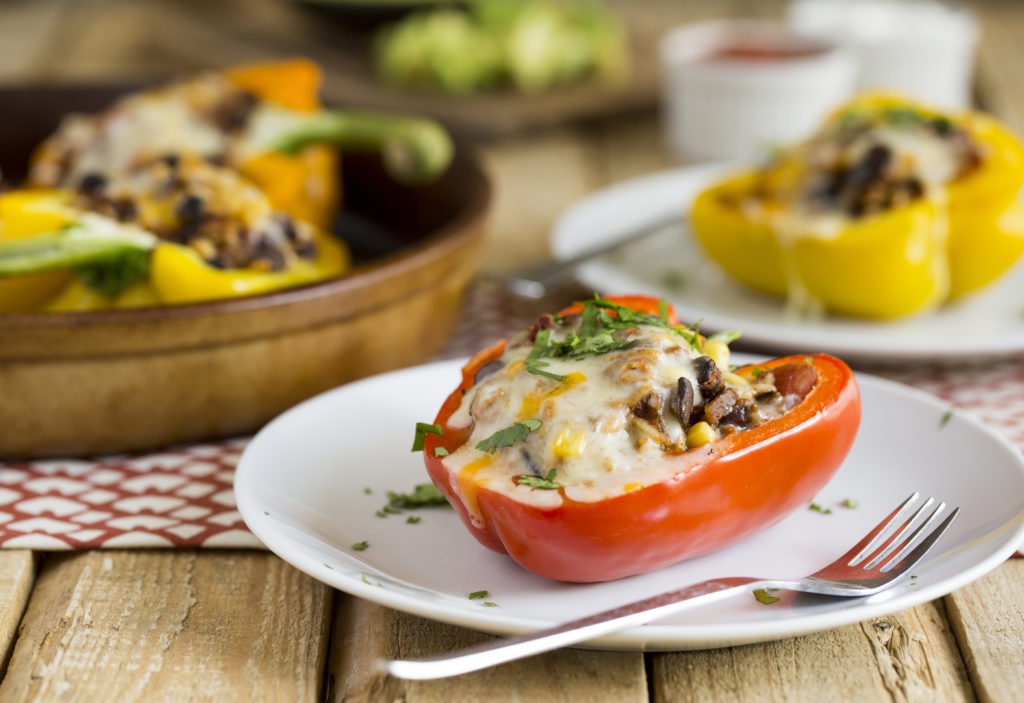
(511, 648)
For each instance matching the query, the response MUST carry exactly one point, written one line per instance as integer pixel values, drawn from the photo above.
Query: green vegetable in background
(532, 45)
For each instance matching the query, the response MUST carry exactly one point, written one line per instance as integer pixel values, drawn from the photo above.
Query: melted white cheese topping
(589, 434)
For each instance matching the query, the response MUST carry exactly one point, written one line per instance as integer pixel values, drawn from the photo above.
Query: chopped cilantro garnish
(758, 371)
(360, 546)
(422, 430)
(849, 503)
(850, 118)
(764, 597)
(547, 483)
(818, 509)
(380, 513)
(477, 594)
(490, 604)
(626, 317)
(727, 337)
(367, 490)
(903, 117)
(422, 495)
(328, 566)
(508, 436)
(540, 347)
(946, 417)
(600, 319)
(412, 519)
(366, 580)
(663, 310)
(440, 451)
(266, 513)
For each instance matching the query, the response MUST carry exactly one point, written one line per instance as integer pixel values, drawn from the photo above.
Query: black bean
(190, 210)
(683, 402)
(488, 369)
(124, 209)
(709, 377)
(92, 184)
(739, 416)
(266, 250)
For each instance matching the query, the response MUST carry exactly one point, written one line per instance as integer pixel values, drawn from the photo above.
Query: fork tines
(896, 539)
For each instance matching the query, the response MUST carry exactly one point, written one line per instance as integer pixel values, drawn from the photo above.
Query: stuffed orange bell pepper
(608, 441)
(891, 209)
(179, 230)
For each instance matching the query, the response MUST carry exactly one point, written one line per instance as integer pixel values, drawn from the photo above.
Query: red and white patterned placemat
(182, 497)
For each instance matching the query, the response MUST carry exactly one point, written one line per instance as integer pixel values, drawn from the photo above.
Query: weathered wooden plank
(365, 633)
(910, 656)
(170, 626)
(988, 620)
(17, 574)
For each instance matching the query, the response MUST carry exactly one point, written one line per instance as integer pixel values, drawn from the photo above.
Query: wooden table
(125, 625)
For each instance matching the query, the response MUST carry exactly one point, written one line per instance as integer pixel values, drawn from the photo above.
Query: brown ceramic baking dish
(89, 383)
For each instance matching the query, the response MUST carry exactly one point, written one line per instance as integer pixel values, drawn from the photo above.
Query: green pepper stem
(415, 150)
(65, 249)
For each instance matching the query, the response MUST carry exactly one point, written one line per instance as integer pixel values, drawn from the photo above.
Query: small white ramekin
(923, 48)
(738, 108)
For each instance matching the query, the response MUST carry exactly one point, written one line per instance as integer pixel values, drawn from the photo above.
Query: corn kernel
(569, 442)
(734, 379)
(719, 353)
(699, 434)
(630, 487)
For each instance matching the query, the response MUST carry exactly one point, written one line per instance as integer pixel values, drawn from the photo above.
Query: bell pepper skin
(25, 213)
(292, 83)
(179, 275)
(986, 223)
(884, 266)
(898, 262)
(752, 479)
(306, 185)
(744, 247)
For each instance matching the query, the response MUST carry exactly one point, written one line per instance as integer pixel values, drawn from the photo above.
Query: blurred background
(537, 90)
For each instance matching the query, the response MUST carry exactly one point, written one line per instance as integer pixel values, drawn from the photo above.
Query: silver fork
(875, 563)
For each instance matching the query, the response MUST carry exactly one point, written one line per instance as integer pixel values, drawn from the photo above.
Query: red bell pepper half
(744, 483)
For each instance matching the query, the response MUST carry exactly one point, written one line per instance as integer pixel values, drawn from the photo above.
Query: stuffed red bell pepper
(608, 440)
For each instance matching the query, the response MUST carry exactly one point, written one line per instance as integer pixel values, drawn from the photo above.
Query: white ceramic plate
(672, 265)
(301, 485)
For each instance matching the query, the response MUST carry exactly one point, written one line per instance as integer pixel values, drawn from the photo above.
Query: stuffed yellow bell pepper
(177, 231)
(891, 209)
